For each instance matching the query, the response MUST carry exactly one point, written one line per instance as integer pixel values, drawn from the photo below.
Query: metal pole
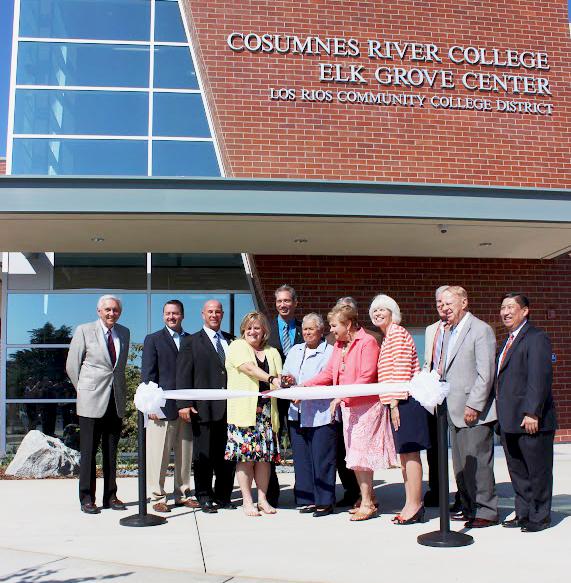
(142, 518)
(444, 537)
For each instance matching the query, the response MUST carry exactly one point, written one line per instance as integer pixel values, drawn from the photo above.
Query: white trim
(181, 139)
(11, 106)
(151, 107)
(3, 349)
(80, 137)
(83, 88)
(201, 87)
(95, 41)
(166, 90)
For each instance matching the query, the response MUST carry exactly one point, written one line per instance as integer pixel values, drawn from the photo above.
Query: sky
(6, 18)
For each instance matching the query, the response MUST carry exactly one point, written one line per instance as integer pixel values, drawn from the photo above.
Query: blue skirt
(413, 431)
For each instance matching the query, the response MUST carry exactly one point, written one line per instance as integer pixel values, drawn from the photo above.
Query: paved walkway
(44, 538)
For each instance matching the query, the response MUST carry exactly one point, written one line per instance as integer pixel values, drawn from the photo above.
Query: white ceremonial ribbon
(338, 391)
(149, 399)
(427, 389)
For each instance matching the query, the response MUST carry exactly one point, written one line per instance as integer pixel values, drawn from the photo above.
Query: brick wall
(264, 138)
(320, 280)
(2, 165)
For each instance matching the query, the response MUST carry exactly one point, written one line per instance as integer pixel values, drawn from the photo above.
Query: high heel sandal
(418, 517)
(361, 514)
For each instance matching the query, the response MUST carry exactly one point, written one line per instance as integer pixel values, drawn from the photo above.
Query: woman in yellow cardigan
(253, 422)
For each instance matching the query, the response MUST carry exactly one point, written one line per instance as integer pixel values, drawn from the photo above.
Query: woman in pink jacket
(354, 361)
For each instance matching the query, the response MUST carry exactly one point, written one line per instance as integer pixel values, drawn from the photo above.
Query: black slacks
(347, 476)
(209, 442)
(530, 464)
(92, 431)
(432, 456)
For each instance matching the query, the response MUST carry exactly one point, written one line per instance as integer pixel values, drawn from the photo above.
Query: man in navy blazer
(201, 365)
(160, 353)
(526, 414)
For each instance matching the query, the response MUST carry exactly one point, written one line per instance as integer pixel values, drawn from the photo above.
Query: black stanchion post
(444, 537)
(142, 518)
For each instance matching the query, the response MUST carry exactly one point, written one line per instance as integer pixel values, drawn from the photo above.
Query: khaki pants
(162, 437)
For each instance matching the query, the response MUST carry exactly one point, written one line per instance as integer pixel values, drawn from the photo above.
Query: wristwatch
(271, 379)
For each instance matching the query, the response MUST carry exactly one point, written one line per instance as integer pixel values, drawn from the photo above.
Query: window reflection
(174, 158)
(93, 19)
(66, 64)
(168, 22)
(75, 157)
(179, 114)
(54, 419)
(55, 111)
(45, 318)
(243, 303)
(174, 68)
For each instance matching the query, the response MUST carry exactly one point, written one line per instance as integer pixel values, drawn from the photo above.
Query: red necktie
(435, 347)
(506, 350)
(111, 348)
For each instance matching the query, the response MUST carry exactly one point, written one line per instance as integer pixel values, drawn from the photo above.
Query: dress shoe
(459, 516)
(431, 499)
(115, 504)
(189, 503)
(161, 507)
(209, 507)
(480, 523)
(514, 522)
(456, 507)
(227, 505)
(309, 509)
(323, 511)
(535, 526)
(90, 508)
(418, 517)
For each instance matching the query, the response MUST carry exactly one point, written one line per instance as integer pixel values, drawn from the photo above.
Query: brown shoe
(480, 523)
(115, 504)
(189, 503)
(161, 507)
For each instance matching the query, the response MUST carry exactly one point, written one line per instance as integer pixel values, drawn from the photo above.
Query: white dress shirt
(116, 341)
(454, 333)
(175, 336)
(213, 335)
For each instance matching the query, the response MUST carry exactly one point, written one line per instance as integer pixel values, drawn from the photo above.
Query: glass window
(52, 318)
(174, 68)
(90, 19)
(171, 158)
(100, 271)
(180, 114)
(168, 22)
(39, 373)
(418, 337)
(55, 419)
(243, 303)
(198, 271)
(76, 157)
(192, 309)
(65, 64)
(54, 111)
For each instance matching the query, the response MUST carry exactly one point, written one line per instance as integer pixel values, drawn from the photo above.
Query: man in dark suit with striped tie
(285, 331)
(526, 414)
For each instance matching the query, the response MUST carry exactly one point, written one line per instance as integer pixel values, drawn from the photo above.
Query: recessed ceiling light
(485, 244)
(98, 239)
(300, 241)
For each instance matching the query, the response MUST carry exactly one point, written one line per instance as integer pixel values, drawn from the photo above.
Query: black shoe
(209, 507)
(114, 504)
(323, 511)
(418, 517)
(514, 522)
(348, 499)
(431, 499)
(459, 516)
(90, 508)
(226, 505)
(535, 526)
(456, 508)
(309, 509)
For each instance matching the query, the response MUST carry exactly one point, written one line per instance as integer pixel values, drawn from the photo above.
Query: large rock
(42, 456)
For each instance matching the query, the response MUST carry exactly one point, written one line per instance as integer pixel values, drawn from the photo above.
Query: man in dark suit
(160, 352)
(526, 414)
(201, 365)
(95, 364)
(285, 331)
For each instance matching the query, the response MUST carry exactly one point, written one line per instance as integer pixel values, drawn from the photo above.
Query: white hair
(315, 318)
(109, 297)
(383, 301)
(440, 290)
(347, 301)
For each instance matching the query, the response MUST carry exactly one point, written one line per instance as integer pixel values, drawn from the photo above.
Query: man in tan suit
(96, 366)
(433, 345)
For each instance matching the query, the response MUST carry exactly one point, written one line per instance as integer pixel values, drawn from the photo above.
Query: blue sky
(6, 18)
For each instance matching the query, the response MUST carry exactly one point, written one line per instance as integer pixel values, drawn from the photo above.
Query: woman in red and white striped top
(398, 363)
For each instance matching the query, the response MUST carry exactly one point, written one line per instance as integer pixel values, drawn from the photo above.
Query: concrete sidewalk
(45, 538)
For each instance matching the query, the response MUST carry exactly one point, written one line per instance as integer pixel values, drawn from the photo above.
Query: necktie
(437, 348)
(220, 349)
(111, 348)
(286, 342)
(443, 352)
(506, 350)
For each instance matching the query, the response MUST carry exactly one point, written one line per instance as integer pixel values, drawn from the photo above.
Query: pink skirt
(368, 437)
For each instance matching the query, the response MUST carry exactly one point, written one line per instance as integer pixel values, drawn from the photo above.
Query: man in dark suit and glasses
(160, 352)
(95, 364)
(526, 414)
(201, 365)
(285, 332)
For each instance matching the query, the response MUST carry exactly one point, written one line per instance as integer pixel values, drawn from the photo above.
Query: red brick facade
(2, 165)
(301, 139)
(321, 280)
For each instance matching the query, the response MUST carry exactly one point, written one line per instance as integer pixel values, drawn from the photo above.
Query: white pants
(162, 437)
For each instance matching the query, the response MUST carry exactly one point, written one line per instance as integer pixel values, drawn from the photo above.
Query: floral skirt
(253, 444)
